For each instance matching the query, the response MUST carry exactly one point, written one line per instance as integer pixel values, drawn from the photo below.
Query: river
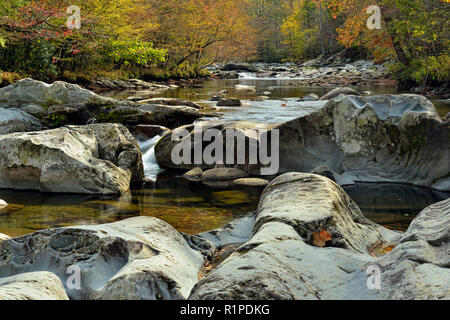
(193, 207)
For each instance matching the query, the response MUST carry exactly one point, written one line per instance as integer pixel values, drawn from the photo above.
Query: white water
(151, 167)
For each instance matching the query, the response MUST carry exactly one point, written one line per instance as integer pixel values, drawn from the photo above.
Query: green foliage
(423, 71)
(135, 52)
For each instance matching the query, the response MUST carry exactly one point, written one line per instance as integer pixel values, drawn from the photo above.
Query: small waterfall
(151, 167)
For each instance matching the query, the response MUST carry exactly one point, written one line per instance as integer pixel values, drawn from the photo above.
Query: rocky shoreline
(307, 240)
(145, 258)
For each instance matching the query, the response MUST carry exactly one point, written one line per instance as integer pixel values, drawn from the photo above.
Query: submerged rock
(32, 286)
(93, 159)
(140, 258)
(3, 203)
(14, 120)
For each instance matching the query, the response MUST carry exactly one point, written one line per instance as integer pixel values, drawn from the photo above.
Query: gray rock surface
(4, 237)
(237, 231)
(32, 286)
(385, 138)
(138, 258)
(220, 174)
(194, 174)
(280, 262)
(418, 267)
(61, 103)
(248, 130)
(171, 102)
(14, 120)
(338, 91)
(252, 182)
(93, 159)
(229, 102)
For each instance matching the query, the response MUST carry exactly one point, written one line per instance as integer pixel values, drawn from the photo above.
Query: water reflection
(393, 205)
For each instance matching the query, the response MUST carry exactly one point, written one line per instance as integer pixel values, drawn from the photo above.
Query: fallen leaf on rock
(320, 238)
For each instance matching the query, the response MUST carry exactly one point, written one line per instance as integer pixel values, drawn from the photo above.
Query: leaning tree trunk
(399, 51)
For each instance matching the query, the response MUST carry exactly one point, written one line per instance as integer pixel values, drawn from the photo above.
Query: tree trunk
(399, 51)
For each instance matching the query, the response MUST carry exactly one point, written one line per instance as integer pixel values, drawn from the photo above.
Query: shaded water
(193, 207)
(187, 206)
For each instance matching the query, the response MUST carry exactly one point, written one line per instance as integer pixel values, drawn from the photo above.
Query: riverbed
(193, 207)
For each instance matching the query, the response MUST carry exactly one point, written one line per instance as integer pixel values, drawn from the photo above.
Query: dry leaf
(320, 238)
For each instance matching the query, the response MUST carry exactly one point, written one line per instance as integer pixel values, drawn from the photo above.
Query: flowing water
(193, 207)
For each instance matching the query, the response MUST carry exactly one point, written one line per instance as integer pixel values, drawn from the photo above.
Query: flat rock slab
(4, 237)
(138, 258)
(223, 174)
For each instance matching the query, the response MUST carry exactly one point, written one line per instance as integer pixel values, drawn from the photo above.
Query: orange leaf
(320, 238)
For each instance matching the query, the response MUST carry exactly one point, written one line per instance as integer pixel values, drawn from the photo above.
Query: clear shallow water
(189, 207)
(192, 207)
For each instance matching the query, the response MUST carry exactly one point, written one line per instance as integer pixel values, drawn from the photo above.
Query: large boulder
(62, 103)
(93, 159)
(249, 131)
(171, 102)
(386, 138)
(14, 120)
(287, 256)
(138, 258)
(32, 286)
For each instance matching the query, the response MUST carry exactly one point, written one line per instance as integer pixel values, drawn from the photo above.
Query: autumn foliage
(186, 35)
